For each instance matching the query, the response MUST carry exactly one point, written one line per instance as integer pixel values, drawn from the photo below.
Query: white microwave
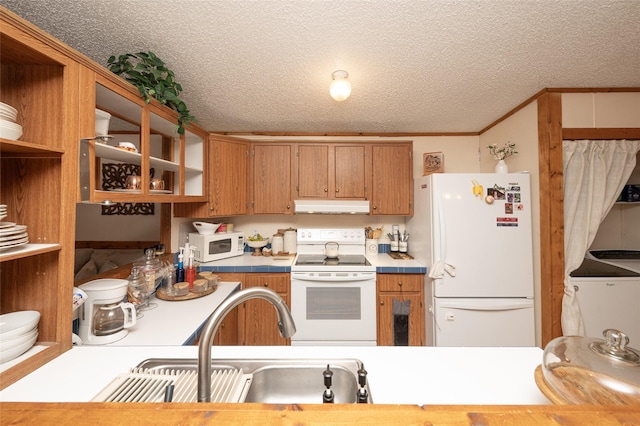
(217, 246)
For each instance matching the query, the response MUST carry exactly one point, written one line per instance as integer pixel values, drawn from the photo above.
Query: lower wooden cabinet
(258, 319)
(255, 322)
(227, 333)
(400, 331)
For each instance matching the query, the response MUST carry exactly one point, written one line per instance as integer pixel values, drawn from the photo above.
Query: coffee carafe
(104, 317)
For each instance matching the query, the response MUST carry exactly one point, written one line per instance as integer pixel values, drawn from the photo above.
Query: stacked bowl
(18, 333)
(9, 129)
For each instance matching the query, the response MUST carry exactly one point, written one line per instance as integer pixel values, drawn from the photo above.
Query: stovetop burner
(321, 260)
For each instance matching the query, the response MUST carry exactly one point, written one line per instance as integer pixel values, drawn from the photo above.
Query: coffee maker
(105, 317)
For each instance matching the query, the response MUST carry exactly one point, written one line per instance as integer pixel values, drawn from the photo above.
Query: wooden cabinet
(271, 178)
(227, 333)
(179, 160)
(37, 174)
(400, 287)
(228, 167)
(392, 183)
(331, 171)
(258, 318)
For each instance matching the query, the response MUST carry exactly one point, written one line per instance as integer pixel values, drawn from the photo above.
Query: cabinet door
(350, 171)
(392, 183)
(228, 178)
(259, 324)
(313, 171)
(272, 179)
(390, 329)
(228, 331)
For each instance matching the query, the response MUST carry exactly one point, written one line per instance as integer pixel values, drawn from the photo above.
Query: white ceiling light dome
(340, 88)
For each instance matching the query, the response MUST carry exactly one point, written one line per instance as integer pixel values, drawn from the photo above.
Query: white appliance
(608, 292)
(473, 232)
(105, 317)
(220, 245)
(333, 299)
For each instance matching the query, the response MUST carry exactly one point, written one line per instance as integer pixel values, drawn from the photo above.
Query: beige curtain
(594, 174)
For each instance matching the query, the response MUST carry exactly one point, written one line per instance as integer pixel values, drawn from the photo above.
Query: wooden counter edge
(248, 414)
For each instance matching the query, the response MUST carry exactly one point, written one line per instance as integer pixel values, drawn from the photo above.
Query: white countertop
(175, 322)
(397, 375)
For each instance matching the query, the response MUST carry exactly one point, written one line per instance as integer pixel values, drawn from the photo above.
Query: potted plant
(502, 153)
(154, 80)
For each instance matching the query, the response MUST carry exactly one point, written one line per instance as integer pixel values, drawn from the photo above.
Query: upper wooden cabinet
(271, 178)
(161, 152)
(228, 175)
(392, 183)
(37, 172)
(331, 171)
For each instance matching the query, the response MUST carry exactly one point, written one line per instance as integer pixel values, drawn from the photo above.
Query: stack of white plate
(12, 235)
(18, 333)
(9, 129)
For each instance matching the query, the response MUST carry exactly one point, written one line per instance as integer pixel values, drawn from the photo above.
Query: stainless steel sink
(283, 381)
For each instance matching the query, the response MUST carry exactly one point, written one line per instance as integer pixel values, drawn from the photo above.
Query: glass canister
(152, 269)
(583, 370)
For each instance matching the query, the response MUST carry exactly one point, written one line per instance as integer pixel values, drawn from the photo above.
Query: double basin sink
(285, 381)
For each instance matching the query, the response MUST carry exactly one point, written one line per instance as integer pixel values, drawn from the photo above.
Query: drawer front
(277, 282)
(400, 282)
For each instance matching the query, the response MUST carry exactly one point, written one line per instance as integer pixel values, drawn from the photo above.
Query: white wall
(522, 129)
(91, 225)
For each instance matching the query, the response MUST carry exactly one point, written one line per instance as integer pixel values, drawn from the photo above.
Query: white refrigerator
(473, 231)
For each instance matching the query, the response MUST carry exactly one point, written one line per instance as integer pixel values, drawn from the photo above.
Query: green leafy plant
(154, 80)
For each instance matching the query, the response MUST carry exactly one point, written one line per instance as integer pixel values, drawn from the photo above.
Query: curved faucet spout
(286, 326)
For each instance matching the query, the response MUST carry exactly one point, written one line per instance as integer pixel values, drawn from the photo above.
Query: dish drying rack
(147, 385)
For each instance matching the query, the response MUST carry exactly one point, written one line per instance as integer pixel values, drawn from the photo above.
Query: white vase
(502, 167)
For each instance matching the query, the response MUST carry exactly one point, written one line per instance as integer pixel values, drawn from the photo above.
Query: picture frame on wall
(433, 162)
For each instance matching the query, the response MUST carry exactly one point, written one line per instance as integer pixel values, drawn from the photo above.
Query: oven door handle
(333, 279)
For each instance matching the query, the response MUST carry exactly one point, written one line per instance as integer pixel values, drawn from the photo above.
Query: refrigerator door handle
(440, 264)
(506, 306)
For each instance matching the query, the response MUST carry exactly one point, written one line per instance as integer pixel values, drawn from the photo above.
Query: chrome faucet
(285, 324)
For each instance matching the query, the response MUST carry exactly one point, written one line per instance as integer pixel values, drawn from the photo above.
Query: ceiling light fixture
(340, 88)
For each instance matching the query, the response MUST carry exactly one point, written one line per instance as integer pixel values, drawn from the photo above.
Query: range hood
(331, 207)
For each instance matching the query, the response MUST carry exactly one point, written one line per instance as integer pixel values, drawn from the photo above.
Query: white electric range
(333, 299)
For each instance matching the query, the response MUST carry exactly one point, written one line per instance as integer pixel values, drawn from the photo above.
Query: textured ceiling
(415, 66)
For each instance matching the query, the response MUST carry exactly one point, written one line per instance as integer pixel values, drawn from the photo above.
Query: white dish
(6, 225)
(13, 244)
(16, 323)
(8, 112)
(14, 237)
(2, 216)
(12, 342)
(17, 229)
(8, 355)
(9, 130)
(206, 228)
(127, 146)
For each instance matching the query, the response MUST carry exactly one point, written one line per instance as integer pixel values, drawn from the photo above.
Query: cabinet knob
(337, 189)
(288, 206)
(400, 283)
(381, 303)
(375, 207)
(326, 190)
(266, 284)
